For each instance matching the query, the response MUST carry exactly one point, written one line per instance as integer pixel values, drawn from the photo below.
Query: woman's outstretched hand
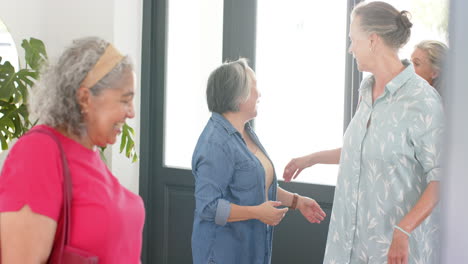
(310, 209)
(294, 167)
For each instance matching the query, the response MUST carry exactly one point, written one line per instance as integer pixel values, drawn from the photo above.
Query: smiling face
(249, 107)
(105, 113)
(423, 66)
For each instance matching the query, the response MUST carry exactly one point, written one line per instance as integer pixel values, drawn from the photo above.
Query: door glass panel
(300, 66)
(194, 49)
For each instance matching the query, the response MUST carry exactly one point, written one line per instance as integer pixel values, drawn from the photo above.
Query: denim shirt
(227, 172)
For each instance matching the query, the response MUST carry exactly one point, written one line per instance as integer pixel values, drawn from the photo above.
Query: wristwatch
(294, 201)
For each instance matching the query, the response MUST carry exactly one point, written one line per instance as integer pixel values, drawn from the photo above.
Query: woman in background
(428, 58)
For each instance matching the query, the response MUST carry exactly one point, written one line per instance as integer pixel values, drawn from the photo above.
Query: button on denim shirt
(227, 172)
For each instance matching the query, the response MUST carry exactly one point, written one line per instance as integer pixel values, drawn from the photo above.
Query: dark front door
(166, 182)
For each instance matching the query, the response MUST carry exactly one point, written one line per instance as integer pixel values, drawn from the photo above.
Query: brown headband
(103, 66)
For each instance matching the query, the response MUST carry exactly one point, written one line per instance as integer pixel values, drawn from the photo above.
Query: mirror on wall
(8, 50)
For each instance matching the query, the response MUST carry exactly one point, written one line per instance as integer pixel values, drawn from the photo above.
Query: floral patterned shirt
(391, 151)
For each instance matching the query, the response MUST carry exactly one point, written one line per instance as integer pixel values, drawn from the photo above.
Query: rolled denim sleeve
(212, 168)
(222, 212)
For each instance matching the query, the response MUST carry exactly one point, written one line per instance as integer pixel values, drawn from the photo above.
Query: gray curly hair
(53, 98)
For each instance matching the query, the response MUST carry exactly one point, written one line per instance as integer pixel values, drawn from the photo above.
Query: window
(7, 47)
(194, 50)
(8, 53)
(300, 66)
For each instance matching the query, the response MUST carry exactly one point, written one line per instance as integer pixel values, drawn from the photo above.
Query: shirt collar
(401, 78)
(395, 83)
(218, 118)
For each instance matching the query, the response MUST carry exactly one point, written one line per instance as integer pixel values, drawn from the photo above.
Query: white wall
(58, 22)
(127, 36)
(12, 13)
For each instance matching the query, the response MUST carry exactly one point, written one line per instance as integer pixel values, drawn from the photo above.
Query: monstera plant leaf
(35, 53)
(14, 120)
(127, 143)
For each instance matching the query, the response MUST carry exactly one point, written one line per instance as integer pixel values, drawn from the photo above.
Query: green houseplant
(14, 85)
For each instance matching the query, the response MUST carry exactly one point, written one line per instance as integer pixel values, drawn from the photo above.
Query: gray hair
(53, 99)
(437, 52)
(228, 86)
(386, 21)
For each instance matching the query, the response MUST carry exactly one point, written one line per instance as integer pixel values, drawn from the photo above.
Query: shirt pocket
(245, 176)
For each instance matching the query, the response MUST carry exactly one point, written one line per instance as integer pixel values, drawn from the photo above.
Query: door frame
(236, 43)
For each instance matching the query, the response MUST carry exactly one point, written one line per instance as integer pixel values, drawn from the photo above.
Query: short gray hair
(437, 52)
(381, 18)
(228, 86)
(53, 98)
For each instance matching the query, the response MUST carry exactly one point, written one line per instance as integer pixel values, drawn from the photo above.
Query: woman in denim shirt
(236, 190)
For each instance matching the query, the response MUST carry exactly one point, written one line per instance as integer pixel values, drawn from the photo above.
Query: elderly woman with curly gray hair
(81, 103)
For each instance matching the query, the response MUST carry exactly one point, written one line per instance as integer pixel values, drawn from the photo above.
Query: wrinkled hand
(269, 214)
(310, 209)
(294, 167)
(398, 252)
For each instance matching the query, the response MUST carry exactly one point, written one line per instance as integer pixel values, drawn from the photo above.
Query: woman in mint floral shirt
(390, 160)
